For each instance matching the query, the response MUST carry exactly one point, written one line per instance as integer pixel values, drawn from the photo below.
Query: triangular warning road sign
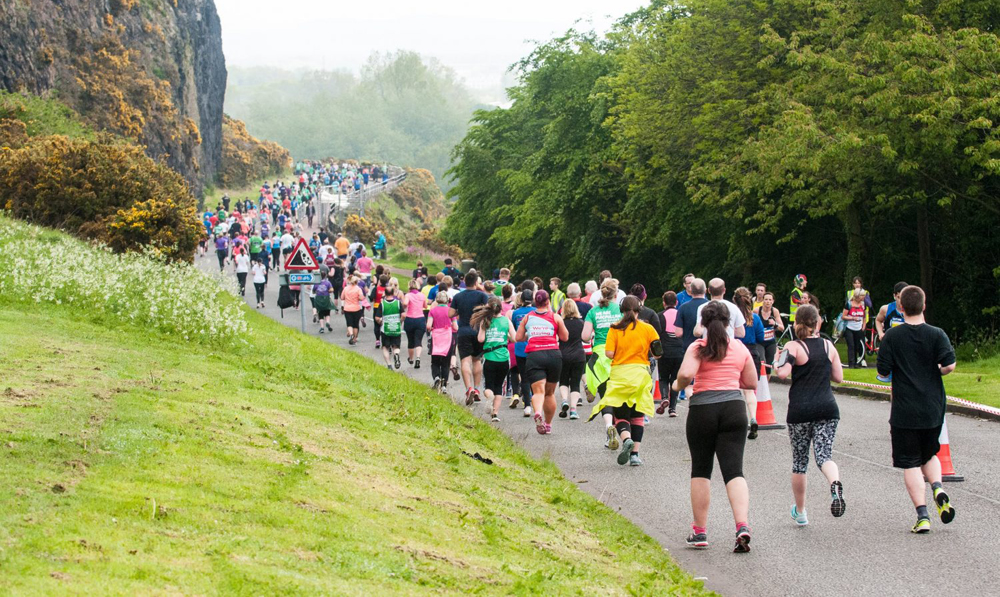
(301, 258)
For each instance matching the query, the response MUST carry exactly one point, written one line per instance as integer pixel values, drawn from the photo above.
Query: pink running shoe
(548, 429)
(539, 424)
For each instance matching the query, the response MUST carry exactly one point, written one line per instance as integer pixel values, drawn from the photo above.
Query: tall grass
(40, 266)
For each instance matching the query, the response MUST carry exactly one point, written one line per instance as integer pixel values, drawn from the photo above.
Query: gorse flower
(41, 266)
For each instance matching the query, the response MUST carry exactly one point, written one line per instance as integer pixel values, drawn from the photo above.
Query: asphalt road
(869, 551)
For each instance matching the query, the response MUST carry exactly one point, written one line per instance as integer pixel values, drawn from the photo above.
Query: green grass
(408, 261)
(135, 462)
(43, 116)
(978, 381)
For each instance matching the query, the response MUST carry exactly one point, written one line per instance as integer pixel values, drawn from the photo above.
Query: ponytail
(484, 314)
(715, 320)
(806, 319)
(609, 290)
(630, 314)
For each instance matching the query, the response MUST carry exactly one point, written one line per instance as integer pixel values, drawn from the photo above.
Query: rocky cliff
(149, 70)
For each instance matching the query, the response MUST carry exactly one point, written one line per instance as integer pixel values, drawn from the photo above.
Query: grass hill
(165, 439)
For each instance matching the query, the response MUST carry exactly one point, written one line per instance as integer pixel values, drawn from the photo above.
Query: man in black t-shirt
(917, 355)
(469, 348)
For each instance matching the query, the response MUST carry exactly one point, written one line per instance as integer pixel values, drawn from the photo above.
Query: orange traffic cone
(944, 455)
(765, 410)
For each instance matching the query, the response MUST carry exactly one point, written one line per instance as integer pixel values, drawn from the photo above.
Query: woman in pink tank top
(543, 329)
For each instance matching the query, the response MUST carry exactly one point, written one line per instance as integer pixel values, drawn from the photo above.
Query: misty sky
(477, 39)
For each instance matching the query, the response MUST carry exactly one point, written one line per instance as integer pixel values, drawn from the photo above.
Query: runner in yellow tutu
(629, 391)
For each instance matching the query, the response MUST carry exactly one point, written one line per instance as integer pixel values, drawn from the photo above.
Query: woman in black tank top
(813, 415)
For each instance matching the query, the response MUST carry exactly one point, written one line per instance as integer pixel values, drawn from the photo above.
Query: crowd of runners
(543, 350)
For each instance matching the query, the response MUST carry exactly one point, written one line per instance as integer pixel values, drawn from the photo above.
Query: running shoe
(389, 367)
(886, 379)
(539, 424)
(315, 318)
(395, 360)
(682, 395)
(662, 407)
(444, 386)
(944, 508)
(753, 429)
(409, 360)
(923, 526)
(625, 451)
(437, 384)
(494, 418)
(364, 323)
(352, 341)
(837, 504)
(527, 410)
(548, 429)
(697, 540)
(588, 393)
(612, 443)
(329, 327)
(416, 364)
(378, 344)
(672, 413)
(742, 539)
(515, 401)
(322, 330)
(799, 517)
(454, 373)
(564, 410)
(475, 395)
(468, 397)
(573, 415)
(634, 460)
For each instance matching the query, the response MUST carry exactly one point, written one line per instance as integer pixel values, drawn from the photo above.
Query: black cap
(527, 296)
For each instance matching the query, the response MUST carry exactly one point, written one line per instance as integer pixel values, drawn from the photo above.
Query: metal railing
(336, 204)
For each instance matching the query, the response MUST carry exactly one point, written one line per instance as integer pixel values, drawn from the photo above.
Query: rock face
(149, 70)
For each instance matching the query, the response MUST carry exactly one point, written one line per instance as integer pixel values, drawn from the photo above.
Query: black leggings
(241, 278)
(514, 380)
(415, 327)
(221, 254)
(668, 367)
(627, 418)
(259, 287)
(522, 367)
(855, 346)
(439, 367)
(571, 375)
(717, 430)
(770, 348)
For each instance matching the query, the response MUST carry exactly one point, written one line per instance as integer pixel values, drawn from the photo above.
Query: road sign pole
(303, 296)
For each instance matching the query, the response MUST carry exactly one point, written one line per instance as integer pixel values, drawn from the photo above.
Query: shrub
(103, 190)
(42, 266)
(246, 159)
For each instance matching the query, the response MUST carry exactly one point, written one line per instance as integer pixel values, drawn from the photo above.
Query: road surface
(870, 551)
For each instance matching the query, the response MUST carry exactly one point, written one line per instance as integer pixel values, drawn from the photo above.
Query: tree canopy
(752, 140)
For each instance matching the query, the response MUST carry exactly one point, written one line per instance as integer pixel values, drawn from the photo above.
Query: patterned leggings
(818, 433)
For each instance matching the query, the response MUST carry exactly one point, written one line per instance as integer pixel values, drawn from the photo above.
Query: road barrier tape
(961, 401)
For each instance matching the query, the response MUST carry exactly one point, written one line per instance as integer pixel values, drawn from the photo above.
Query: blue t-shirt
(754, 331)
(464, 304)
(520, 348)
(682, 298)
(687, 318)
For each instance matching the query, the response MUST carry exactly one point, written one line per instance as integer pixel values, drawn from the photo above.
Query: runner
(543, 329)
(415, 304)
(365, 265)
(759, 291)
(442, 329)
(375, 298)
(242, 263)
(389, 316)
(854, 321)
(673, 354)
(337, 282)
(322, 302)
(753, 335)
(813, 415)
(502, 280)
(352, 296)
(526, 306)
(770, 317)
(494, 333)
(469, 349)
(917, 355)
(595, 330)
(597, 296)
(737, 323)
(341, 246)
(630, 344)
(222, 250)
(275, 251)
(796, 297)
(890, 315)
(259, 281)
(574, 360)
(685, 295)
(717, 420)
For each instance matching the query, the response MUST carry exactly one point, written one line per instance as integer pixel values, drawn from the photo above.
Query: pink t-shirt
(415, 301)
(669, 317)
(442, 327)
(724, 374)
(352, 297)
(365, 265)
